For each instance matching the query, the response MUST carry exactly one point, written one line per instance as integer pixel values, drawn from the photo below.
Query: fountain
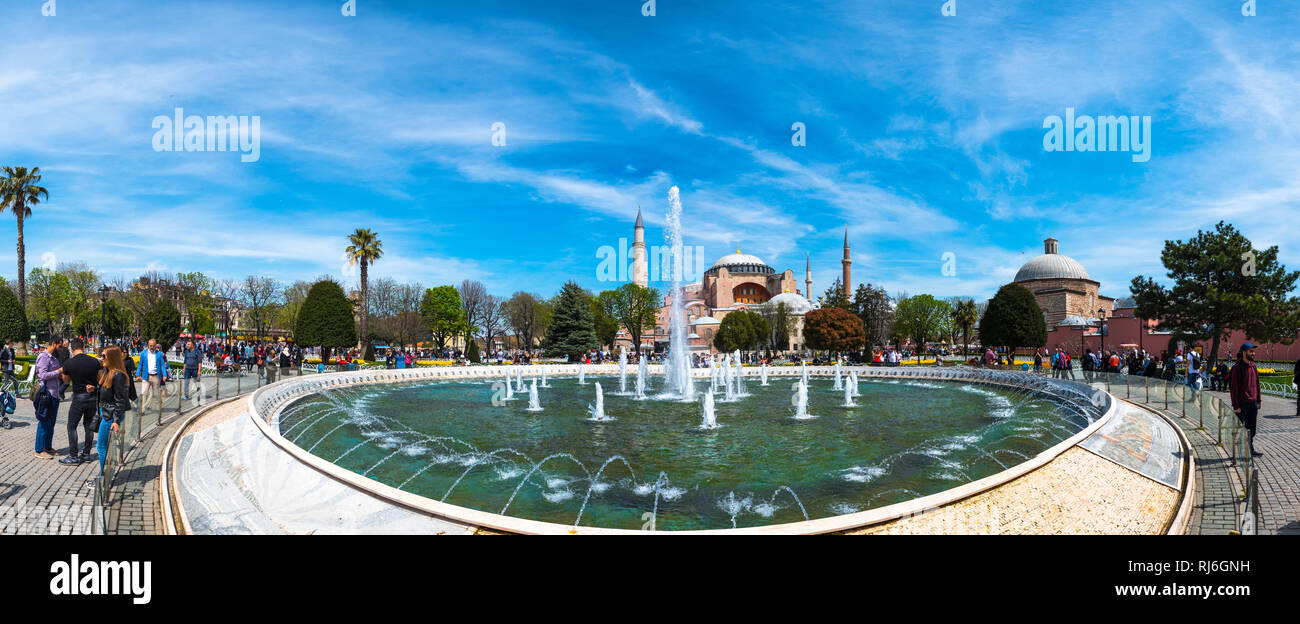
(838, 385)
(801, 401)
(680, 383)
(710, 420)
(642, 371)
(519, 379)
(854, 378)
(582, 374)
(545, 384)
(510, 390)
(740, 374)
(848, 396)
(597, 411)
(622, 371)
(534, 404)
(764, 374)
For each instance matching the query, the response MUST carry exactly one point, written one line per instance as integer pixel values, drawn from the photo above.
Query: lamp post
(1101, 333)
(104, 291)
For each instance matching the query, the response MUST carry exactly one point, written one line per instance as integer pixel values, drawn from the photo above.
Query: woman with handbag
(114, 398)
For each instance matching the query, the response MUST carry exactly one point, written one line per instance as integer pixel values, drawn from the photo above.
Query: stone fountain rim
(279, 393)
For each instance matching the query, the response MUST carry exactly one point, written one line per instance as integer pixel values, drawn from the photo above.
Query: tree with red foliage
(833, 330)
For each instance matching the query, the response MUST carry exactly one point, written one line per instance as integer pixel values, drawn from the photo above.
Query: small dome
(794, 301)
(1052, 266)
(1125, 303)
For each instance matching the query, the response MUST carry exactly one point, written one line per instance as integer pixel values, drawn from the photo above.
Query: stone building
(1062, 286)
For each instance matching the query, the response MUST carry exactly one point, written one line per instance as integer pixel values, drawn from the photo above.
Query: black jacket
(116, 398)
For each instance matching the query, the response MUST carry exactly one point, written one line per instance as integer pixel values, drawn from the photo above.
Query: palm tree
(365, 248)
(18, 193)
(964, 316)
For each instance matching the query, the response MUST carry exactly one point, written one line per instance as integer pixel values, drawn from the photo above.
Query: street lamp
(1101, 314)
(104, 291)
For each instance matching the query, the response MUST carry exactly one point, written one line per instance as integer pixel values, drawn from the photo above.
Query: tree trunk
(19, 208)
(365, 307)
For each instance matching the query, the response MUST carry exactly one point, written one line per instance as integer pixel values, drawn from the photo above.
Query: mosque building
(737, 281)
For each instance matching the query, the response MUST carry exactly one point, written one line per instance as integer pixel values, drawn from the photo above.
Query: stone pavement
(1278, 439)
(42, 496)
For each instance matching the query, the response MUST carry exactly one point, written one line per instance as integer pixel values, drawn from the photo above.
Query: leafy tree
(921, 318)
(734, 332)
(1221, 283)
(325, 319)
(1013, 319)
(201, 321)
(443, 314)
(18, 193)
(602, 314)
(50, 299)
(473, 300)
(833, 329)
(365, 249)
(13, 321)
(876, 310)
(635, 308)
(163, 324)
(571, 332)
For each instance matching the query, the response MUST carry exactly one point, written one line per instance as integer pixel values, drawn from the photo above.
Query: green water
(902, 440)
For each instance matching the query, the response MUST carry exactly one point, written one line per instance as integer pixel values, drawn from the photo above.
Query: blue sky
(924, 134)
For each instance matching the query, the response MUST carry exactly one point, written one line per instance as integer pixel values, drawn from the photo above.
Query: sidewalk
(1278, 439)
(42, 496)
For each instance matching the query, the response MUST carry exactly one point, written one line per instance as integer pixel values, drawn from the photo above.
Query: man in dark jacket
(1244, 390)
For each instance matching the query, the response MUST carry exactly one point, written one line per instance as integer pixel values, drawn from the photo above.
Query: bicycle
(8, 402)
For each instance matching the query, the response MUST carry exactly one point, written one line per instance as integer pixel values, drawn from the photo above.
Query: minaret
(848, 274)
(807, 275)
(640, 272)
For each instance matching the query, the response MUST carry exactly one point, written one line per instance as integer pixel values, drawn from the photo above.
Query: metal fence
(157, 405)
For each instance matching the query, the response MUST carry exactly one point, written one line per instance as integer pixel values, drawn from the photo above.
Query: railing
(160, 404)
(1250, 519)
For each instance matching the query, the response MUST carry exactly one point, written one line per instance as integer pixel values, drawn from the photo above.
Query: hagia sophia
(736, 281)
(1077, 314)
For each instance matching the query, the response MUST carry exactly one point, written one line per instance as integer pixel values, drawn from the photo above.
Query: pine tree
(572, 330)
(472, 354)
(13, 321)
(325, 319)
(1013, 319)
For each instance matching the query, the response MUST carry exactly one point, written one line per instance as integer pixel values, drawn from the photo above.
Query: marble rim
(266, 403)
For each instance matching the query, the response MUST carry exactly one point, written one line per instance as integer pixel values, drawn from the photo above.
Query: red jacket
(1243, 384)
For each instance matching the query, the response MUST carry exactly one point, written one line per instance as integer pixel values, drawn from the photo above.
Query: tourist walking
(152, 371)
(81, 372)
(1245, 392)
(49, 377)
(193, 359)
(114, 398)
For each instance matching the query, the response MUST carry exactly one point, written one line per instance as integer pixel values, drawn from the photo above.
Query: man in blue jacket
(193, 360)
(152, 370)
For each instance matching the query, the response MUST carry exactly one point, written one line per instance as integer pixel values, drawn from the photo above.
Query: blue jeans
(45, 417)
(102, 445)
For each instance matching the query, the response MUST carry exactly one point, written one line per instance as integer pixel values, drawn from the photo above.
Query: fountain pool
(651, 464)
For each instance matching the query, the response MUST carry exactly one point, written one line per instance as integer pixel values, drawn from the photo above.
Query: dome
(741, 263)
(1052, 265)
(794, 301)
